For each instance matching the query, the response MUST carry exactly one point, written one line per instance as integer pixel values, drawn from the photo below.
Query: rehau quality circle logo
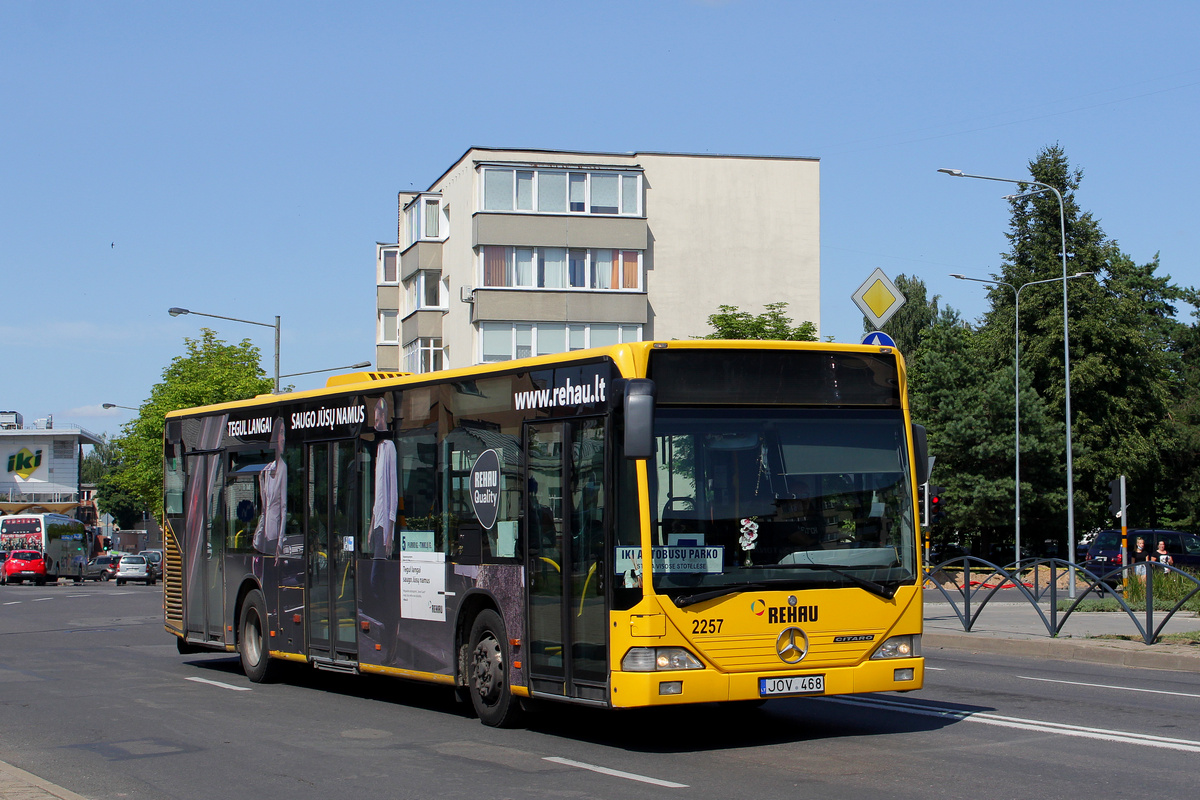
(485, 488)
(758, 607)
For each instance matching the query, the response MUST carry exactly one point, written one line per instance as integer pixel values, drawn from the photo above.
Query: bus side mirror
(920, 453)
(639, 418)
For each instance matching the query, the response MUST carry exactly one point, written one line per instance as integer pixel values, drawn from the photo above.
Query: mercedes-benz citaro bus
(640, 525)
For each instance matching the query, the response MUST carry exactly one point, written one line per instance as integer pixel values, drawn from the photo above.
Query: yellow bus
(640, 525)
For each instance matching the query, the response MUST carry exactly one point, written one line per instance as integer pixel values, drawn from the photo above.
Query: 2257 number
(707, 625)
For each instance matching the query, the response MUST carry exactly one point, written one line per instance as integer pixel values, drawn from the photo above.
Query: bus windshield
(803, 498)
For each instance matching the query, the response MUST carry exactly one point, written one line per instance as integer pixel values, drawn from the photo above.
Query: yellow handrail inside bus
(583, 594)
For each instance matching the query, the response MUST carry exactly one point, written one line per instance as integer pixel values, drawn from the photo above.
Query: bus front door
(332, 508)
(204, 548)
(565, 524)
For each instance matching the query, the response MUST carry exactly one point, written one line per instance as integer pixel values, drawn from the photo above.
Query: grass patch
(1111, 604)
(1190, 638)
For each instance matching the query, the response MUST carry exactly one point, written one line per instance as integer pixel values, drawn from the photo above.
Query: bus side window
(416, 472)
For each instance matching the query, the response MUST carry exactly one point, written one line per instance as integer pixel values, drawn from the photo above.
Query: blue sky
(243, 158)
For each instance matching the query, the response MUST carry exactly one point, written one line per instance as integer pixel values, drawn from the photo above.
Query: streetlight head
(957, 173)
(175, 312)
(956, 275)
(360, 365)
(1082, 274)
(108, 405)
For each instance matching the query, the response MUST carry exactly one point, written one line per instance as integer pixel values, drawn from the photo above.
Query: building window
(560, 268)
(387, 325)
(502, 341)
(554, 191)
(422, 219)
(431, 218)
(426, 289)
(424, 355)
(389, 259)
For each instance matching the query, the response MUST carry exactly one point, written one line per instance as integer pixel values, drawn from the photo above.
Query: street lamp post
(1017, 393)
(958, 173)
(175, 312)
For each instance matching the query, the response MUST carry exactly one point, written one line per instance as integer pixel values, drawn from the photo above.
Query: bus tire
(252, 639)
(488, 672)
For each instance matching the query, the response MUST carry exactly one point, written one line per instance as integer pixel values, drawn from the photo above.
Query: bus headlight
(899, 647)
(652, 659)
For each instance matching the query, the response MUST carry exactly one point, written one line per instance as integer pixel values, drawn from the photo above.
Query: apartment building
(511, 253)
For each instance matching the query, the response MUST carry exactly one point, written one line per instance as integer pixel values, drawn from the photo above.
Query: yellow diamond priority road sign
(878, 298)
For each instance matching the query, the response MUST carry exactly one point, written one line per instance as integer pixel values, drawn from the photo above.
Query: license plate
(795, 684)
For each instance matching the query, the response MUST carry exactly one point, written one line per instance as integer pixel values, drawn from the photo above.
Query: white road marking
(13, 603)
(222, 685)
(1123, 737)
(40, 599)
(1104, 686)
(616, 773)
(936, 669)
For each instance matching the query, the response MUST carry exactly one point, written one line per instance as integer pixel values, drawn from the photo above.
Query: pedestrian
(1162, 555)
(1139, 556)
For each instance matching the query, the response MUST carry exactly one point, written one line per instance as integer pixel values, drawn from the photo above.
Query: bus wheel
(487, 664)
(252, 640)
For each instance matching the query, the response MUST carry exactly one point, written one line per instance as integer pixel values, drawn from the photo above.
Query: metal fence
(981, 580)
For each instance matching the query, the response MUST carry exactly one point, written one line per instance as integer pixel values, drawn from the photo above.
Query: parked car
(25, 565)
(155, 557)
(101, 568)
(134, 568)
(1104, 553)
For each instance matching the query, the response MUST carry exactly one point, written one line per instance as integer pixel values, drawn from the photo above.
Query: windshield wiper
(691, 599)
(886, 592)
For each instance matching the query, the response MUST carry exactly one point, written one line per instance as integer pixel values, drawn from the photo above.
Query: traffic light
(936, 507)
(1114, 497)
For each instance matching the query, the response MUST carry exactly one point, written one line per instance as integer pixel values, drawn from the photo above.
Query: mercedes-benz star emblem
(792, 645)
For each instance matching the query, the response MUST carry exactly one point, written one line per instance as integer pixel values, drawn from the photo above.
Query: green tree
(968, 407)
(211, 371)
(732, 323)
(1123, 367)
(100, 460)
(909, 324)
(126, 508)
(1182, 456)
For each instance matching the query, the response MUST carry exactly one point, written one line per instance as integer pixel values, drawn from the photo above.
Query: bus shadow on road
(706, 727)
(732, 726)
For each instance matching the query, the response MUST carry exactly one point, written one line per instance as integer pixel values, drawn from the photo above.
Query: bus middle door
(332, 494)
(565, 525)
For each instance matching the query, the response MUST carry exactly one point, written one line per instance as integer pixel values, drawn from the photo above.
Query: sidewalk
(17, 784)
(1015, 628)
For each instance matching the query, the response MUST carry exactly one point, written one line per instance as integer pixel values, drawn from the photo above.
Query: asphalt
(1002, 626)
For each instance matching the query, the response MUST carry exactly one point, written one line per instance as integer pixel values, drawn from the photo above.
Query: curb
(21, 785)
(1096, 651)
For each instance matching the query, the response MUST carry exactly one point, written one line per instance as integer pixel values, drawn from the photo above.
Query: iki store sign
(24, 463)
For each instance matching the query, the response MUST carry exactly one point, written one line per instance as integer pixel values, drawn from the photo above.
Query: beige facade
(515, 252)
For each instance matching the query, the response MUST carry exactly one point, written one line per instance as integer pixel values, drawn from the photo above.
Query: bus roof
(631, 360)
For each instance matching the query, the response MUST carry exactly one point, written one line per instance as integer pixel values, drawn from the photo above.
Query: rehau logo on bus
(24, 463)
(485, 488)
